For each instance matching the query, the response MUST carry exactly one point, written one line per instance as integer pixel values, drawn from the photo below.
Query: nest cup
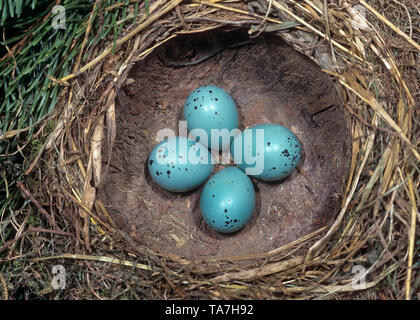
(271, 83)
(306, 265)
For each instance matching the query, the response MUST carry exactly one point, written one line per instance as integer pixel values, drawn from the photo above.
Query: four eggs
(267, 152)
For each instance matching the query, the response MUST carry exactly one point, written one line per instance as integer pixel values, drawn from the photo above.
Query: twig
(412, 235)
(85, 39)
(328, 34)
(33, 229)
(389, 24)
(313, 29)
(264, 20)
(97, 258)
(408, 16)
(4, 284)
(36, 203)
(180, 17)
(261, 271)
(372, 102)
(236, 10)
(91, 289)
(83, 206)
(231, 22)
(362, 120)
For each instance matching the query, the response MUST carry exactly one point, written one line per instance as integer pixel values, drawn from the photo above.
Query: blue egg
(228, 200)
(179, 164)
(211, 107)
(270, 157)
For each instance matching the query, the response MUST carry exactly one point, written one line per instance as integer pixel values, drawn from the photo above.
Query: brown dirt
(270, 82)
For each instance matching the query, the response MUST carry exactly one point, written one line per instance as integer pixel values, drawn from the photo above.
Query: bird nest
(372, 227)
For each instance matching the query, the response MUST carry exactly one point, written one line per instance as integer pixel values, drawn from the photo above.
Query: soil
(271, 83)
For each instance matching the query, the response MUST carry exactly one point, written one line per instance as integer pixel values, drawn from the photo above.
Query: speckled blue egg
(179, 164)
(281, 151)
(228, 200)
(211, 107)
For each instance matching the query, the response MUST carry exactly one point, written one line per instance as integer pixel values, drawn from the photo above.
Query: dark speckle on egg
(169, 174)
(286, 153)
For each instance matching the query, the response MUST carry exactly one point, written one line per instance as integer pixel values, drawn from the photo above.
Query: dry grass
(375, 64)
